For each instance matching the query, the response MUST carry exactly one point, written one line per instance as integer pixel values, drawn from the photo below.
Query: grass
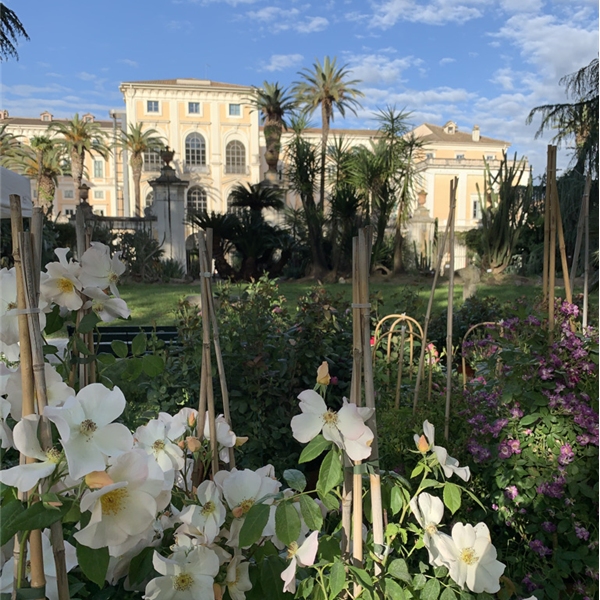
(156, 303)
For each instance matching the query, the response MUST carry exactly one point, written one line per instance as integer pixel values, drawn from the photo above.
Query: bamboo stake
(206, 357)
(584, 199)
(347, 509)
(36, 559)
(586, 257)
(552, 244)
(217, 345)
(450, 311)
(561, 245)
(37, 227)
(39, 375)
(441, 252)
(547, 213)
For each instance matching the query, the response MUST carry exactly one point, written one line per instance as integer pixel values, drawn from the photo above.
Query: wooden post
(586, 257)
(547, 219)
(561, 244)
(450, 310)
(552, 243)
(38, 579)
(577, 252)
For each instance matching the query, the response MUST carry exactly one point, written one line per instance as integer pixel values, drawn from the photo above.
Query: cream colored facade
(218, 143)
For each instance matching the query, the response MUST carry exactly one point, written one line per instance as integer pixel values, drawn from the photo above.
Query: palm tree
(327, 86)
(78, 138)
(10, 29)
(273, 104)
(256, 197)
(137, 142)
(9, 143)
(43, 161)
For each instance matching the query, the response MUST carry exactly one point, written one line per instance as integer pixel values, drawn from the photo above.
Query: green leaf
(295, 479)
(362, 576)
(54, 322)
(88, 323)
(140, 566)
(399, 570)
(287, 523)
(10, 512)
(529, 419)
(329, 500)
(153, 365)
(93, 563)
(81, 347)
(119, 348)
(254, 524)
(448, 594)
(270, 577)
(393, 591)
(305, 587)
(419, 581)
(330, 473)
(138, 345)
(315, 448)
(396, 500)
(37, 516)
(133, 369)
(431, 591)
(106, 359)
(452, 496)
(311, 513)
(337, 579)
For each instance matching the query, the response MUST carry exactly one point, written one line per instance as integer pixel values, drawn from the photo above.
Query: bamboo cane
(400, 365)
(36, 560)
(584, 199)
(217, 345)
(450, 310)
(206, 357)
(586, 257)
(39, 375)
(547, 213)
(347, 509)
(441, 252)
(552, 244)
(37, 227)
(561, 245)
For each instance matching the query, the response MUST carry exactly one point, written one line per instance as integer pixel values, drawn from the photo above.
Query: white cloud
(280, 19)
(521, 6)
(279, 62)
(86, 76)
(447, 60)
(435, 12)
(376, 69)
(184, 26)
(504, 78)
(312, 25)
(128, 62)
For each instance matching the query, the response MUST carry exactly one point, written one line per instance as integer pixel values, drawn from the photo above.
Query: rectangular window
(100, 213)
(460, 156)
(429, 155)
(99, 168)
(68, 194)
(69, 212)
(476, 214)
(98, 194)
(235, 110)
(152, 106)
(194, 108)
(490, 157)
(152, 161)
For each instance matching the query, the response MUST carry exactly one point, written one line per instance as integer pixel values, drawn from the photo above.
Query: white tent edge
(13, 183)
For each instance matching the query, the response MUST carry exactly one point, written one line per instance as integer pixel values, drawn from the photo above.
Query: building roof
(436, 133)
(189, 81)
(36, 121)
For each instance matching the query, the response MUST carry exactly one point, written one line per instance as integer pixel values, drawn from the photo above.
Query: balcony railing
(194, 168)
(237, 169)
(478, 163)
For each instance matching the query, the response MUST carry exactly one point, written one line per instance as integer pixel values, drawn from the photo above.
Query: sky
(475, 62)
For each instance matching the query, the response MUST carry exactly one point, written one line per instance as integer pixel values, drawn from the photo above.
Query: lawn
(156, 303)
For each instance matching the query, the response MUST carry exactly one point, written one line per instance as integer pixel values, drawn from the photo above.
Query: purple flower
(581, 532)
(566, 455)
(516, 412)
(545, 373)
(538, 547)
(515, 446)
(504, 450)
(548, 527)
(552, 489)
(528, 583)
(511, 492)
(497, 426)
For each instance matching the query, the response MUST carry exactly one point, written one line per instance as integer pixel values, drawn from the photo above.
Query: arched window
(235, 157)
(233, 210)
(149, 199)
(196, 199)
(195, 150)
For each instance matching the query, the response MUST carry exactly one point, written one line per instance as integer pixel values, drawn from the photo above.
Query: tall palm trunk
(137, 163)
(326, 110)
(46, 191)
(272, 131)
(77, 169)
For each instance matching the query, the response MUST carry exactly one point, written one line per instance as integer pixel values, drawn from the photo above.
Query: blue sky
(484, 62)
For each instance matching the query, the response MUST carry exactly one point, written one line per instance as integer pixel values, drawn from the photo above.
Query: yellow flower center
(292, 549)
(158, 445)
(98, 306)
(87, 427)
(182, 582)
(246, 505)
(65, 285)
(113, 277)
(53, 455)
(468, 556)
(208, 508)
(431, 529)
(330, 418)
(113, 502)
